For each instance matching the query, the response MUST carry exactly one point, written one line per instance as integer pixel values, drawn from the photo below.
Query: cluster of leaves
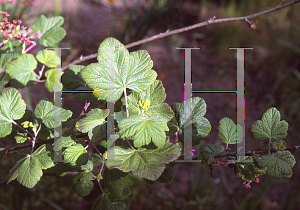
(277, 164)
(139, 148)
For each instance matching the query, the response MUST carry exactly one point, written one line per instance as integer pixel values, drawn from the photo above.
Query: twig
(129, 144)
(188, 28)
(23, 129)
(96, 148)
(225, 154)
(17, 147)
(270, 139)
(125, 94)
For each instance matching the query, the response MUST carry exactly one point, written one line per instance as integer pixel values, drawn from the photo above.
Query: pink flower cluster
(7, 1)
(14, 31)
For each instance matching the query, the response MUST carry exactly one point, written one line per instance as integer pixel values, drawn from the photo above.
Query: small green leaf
(45, 155)
(50, 28)
(278, 166)
(200, 125)
(76, 155)
(143, 129)
(12, 108)
(245, 172)
(150, 102)
(277, 144)
(27, 171)
(82, 183)
(72, 79)
(21, 137)
(287, 157)
(116, 180)
(102, 202)
(94, 124)
(88, 167)
(167, 175)
(229, 132)
(46, 111)
(270, 126)
(10, 50)
(96, 159)
(207, 152)
(21, 71)
(144, 163)
(4, 79)
(48, 58)
(50, 82)
(68, 139)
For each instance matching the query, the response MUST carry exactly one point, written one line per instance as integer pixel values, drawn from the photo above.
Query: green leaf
(167, 175)
(4, 79)
(229, 132)
(68, 139)
(96, 159)
(48, 58)
(143, 129)
(88, 167)
(70, 124)
(116, 65)
(245, 172)
(50, 28)
(287, 157)
(94, 124)
(21, 71)
(102, 202)
(21, 137)
(12, 108)
(150, 102)
(270, 126)
(72, 79)
(50, 75)
(82, 183)
(28, 170)
(46, 110)
(144, 163)
(277, 144)
(207, 152)
(116, 180)
(279, 165)
(9, 51)
(76, 155)
(45, 155)
(200, 125)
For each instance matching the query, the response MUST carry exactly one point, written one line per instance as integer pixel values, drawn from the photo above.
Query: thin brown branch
(225, 154)
(188, 28)
(22, 146)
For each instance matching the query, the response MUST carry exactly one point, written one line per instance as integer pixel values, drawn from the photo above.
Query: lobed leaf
(12, 108)
(116, 181)
(229, 132)
(21, 71)
(207, 152)
(143, 129)
(47, 112)
(50, 28)
(118, 70)
(270, 126)
(144, 163)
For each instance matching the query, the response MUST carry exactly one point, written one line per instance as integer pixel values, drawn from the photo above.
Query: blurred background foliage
(272, 79)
